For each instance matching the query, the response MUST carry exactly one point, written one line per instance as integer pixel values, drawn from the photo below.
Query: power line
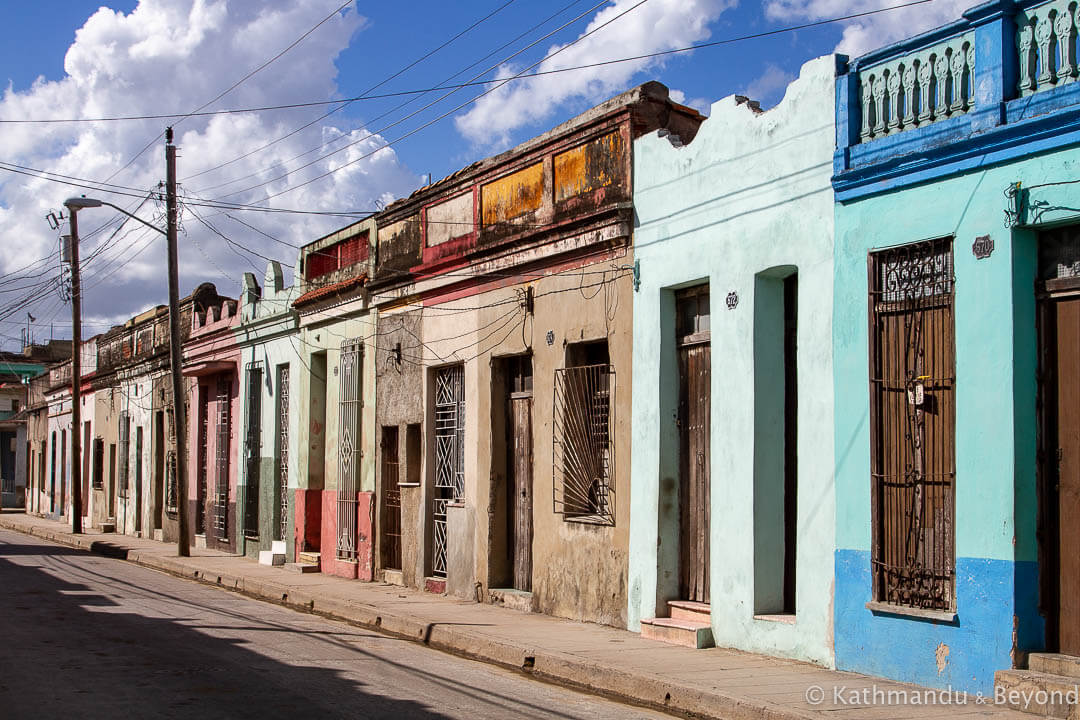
(475, 83)
(440, 99)
(348, 101)
(231, 88)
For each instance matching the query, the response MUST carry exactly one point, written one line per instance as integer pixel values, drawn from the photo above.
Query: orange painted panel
(512, 196)
(596, 164)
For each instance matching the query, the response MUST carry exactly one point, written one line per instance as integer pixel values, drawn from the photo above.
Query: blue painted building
(956, 275)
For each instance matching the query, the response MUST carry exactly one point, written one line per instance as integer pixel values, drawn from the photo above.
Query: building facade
(503, 368)
(266, 339)
(335, 508)
(954, 314)
(212, 362)
(731, 512)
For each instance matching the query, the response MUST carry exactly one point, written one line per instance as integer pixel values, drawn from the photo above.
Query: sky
(71, 59)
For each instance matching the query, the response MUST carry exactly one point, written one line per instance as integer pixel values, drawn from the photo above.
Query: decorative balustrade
(918, 89)
(1047, 43)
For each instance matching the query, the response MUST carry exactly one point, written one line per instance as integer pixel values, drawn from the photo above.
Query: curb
(561, 669)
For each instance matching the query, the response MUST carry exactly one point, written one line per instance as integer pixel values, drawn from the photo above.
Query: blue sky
(173, 55)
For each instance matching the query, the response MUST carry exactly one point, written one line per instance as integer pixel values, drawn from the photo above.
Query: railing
(918, 89)
(1046, 39)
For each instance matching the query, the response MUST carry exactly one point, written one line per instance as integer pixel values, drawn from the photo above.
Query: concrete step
(678, 632)
(689, 610)
(278, 547)
(1037, 693)
(1055, 664)
(269, 557)
(302, 568)
(109, 526)
(311, 558)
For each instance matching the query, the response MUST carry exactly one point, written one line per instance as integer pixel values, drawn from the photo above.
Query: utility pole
(76, 378)
(183, 549)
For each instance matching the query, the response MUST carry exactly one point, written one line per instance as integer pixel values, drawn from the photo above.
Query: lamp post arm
(134, 217)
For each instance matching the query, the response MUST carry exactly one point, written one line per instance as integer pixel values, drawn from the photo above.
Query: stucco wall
(994, 316)
(750, 194)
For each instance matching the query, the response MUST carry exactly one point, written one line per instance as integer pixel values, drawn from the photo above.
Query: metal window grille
(125, 448)
(252, 445)
(583, 454)
(449, 455)
(171, 491)
(912, 416)
(349, 448)
(99, 464)
(283, 452)
(204, 460)
(221, 479)
(138, 461)
(391, 496)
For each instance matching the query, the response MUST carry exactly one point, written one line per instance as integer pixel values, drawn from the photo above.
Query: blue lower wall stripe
(962, 655)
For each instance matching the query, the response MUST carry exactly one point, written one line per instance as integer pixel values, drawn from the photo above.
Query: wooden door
(521, 494)
(1068, 485)
(694, 408)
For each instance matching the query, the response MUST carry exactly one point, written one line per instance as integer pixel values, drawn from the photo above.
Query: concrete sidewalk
(713, 683)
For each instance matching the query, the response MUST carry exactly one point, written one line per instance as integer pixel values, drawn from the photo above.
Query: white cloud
(655, 26)
(874, 31)
(768, 88)
(174, 55)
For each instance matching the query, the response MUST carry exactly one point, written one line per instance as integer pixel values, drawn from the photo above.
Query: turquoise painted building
(731, 518)
(956, 268)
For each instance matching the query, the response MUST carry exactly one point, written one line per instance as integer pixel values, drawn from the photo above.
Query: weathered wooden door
(1068, 485)
(694, 406)
(521, 494)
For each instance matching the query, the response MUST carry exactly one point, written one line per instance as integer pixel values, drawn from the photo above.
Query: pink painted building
(212, 364)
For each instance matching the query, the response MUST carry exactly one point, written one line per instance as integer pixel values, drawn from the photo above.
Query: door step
(1055, 664)
(688, 624)
(520, 600)
(1037, 693)
(310, 558)
(302, 568)
(109, 526)
(687, 633)
(275, 555)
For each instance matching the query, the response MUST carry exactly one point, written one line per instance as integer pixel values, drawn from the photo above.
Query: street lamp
(179, 415)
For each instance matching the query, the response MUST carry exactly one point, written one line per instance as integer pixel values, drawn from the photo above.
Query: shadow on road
(68, 651)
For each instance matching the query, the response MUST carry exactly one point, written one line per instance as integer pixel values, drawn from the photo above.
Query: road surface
(82, 636)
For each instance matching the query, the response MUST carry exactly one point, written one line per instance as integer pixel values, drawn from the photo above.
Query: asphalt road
(83, 636)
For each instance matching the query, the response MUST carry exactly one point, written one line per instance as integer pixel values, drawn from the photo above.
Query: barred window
(912, 418)
(584, 479)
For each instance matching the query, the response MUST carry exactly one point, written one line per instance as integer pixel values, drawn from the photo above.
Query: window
(912, 421)
(341, 254)
(125, 447)
(350, 450)
(99, 464)
(171, 491)
(449, 456)
(252, 447)
(584, 422)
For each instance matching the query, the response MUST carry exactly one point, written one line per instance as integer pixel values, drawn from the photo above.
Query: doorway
(512, 437)
(1059, 437)
(695, 372)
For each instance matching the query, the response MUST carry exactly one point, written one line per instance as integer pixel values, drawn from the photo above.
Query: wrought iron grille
(450, 430)
(125, 448)
(449, 455)
(204, 461)
(912, 414)
(99, 464)
(349, 446)
(391, 499)
(171, 491)
(221, 480)
(583, 456)
(283, 452)
(252, 445)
